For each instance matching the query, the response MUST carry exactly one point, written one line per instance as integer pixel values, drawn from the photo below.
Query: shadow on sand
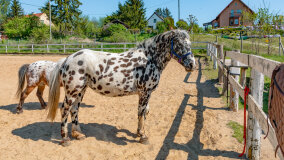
(33, 106)
(48, 131)
(194, 147)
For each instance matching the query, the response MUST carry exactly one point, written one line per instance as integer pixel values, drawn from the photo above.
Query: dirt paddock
(187, 120)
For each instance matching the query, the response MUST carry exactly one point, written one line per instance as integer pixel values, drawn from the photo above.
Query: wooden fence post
(124, 47)
(208, 49)
(82, 46)
(18, 48)
(215, 59)
(102, 47)
(47, 49)
(234, 95)
(280, 45)
(220, 57)
(253, 128)
(32, 48)
(243, 77)
(211, 52)
(7, 49)
(64, 48)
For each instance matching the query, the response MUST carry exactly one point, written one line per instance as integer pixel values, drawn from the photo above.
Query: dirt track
(187, 120)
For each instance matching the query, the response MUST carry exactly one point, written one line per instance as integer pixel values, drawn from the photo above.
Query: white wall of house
(44, 19)
(153, 20)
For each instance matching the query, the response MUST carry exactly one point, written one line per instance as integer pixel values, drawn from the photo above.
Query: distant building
(153, 20)
(43, 18)
(231, 16)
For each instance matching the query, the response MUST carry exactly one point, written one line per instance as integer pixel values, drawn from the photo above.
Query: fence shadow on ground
(48, 131)
(194, 147)
(33, 106)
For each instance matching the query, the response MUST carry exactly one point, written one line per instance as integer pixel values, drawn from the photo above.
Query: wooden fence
(70, 48)
(237, 65)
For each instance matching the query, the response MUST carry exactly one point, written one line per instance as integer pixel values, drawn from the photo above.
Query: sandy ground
(187, 120)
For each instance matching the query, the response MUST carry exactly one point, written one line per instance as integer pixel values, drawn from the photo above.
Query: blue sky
(204, 10)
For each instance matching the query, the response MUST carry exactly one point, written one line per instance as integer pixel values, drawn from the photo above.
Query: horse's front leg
(143, 110)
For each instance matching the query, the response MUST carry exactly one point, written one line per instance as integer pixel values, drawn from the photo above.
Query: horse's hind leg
(65, 109)
(143, 110)
(24, 95)
(39, 93)
(76, 130)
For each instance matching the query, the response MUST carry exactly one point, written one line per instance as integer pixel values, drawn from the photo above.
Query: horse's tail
(54, 92)
(21, 79)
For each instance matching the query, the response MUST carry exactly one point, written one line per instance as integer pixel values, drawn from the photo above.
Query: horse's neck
(159, 54)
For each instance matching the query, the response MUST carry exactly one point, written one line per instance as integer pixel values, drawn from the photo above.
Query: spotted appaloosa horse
(37, 75)
(136, 71)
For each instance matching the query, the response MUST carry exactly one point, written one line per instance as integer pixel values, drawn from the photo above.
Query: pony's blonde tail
(21, 79)
(54, 92)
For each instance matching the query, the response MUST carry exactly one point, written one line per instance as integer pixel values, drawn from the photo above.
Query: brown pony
(36, 75)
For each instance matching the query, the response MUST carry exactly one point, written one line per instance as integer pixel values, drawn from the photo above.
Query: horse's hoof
(144, 140)
(77, 135)
(43, 107)
(19, 111)
(139, 134)
(65, 142)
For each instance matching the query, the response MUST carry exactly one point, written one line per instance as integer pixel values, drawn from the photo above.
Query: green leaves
(132, 13)
(165, 12)
(20, 27)
(64, 13)
(16, 9)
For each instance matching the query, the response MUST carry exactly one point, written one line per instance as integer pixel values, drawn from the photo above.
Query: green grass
(238, 130)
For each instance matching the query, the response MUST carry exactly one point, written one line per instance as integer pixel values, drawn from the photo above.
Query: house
(43, 18)
(153, 20)
(231, 16)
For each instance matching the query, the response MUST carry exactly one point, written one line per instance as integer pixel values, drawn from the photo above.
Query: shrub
(40, 34)
(161, 27)
(112, 28)
(182, 25)
(121, 36)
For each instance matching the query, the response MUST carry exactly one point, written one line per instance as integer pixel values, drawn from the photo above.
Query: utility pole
(50, 36)
(178, 10)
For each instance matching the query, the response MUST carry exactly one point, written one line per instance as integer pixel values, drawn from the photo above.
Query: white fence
(70, 48)
(257, 119)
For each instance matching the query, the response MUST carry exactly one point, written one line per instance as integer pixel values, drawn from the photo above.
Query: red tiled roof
(35, 14)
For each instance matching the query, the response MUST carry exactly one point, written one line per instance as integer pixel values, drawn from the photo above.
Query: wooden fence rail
(47, 48)
(257, 119)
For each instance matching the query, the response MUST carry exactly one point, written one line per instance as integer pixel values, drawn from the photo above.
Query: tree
(165, 25)
(21, 27)
(132, 13)
(16, 9)
(192, 22)
(182, 24)
(65, 13)
(4, 11)
(165, 12)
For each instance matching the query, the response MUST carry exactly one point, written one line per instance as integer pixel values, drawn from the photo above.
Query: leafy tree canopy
(16, 9)
(165, 12)
(132, 13)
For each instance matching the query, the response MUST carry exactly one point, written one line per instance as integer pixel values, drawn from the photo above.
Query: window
(239, 11)
(216, 24)
(155, 20)
(232, 12)
(231, 22)
(236, 21)
(42, 21)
